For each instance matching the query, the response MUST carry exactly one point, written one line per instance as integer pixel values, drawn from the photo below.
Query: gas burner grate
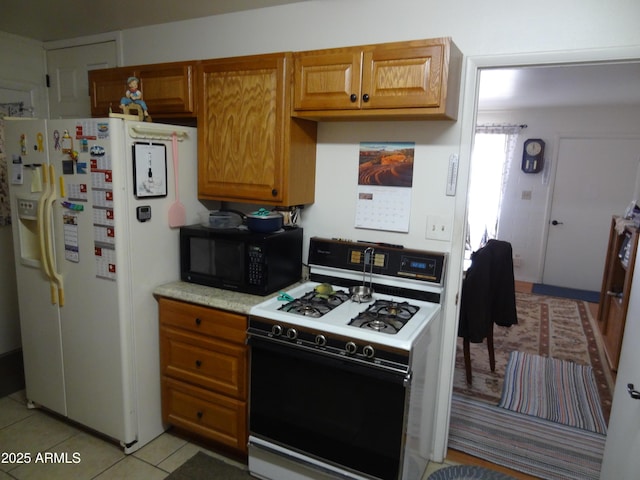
(385, 316)
(313, 304)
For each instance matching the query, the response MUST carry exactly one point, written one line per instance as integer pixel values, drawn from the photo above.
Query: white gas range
(322, 365)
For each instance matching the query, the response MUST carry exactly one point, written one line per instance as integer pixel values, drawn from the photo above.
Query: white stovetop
(336, 321)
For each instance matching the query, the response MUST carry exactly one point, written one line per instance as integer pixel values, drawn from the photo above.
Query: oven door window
(328, 408)
(222, 259)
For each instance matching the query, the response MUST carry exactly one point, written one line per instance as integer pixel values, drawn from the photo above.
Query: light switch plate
(438, 228)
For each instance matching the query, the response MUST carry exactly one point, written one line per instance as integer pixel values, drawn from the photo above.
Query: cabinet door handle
(611, 293)
(353, 98)
(199, 414)
(365, 97)
(274, 192)
(198, 321)
(198, 363)
(633, 393)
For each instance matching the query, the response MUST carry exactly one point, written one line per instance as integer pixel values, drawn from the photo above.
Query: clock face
(533, 148)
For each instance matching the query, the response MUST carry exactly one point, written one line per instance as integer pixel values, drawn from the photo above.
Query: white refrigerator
(90, 202)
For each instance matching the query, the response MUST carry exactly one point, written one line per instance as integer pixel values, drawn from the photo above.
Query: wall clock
(533, 155)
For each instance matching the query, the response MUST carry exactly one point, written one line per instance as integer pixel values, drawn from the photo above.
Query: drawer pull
(198, 363)
(198, 321)
(199, 414)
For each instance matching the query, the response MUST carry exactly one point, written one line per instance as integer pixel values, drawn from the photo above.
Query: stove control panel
(389, 260)
(327, 344)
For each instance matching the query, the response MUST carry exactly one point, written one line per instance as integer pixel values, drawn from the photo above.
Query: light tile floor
(86, 456)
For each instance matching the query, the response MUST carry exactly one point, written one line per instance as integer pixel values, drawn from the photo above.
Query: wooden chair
(134, 109)
(467, 355)
(488, 297)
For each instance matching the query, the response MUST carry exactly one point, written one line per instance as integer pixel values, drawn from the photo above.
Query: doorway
(590, 164)
(69, 84)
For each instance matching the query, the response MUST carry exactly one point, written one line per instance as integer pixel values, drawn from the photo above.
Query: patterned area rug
(547, 326)
(532, 445)
(467, 472)
(556, 390)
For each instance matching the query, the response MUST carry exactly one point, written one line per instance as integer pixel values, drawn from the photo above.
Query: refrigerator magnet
(149, 170)
(66, 143)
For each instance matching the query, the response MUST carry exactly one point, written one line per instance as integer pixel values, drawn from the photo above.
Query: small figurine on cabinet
(134, 95)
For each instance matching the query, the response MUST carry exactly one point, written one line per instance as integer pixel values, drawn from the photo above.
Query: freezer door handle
(56, 278)
(43, 236)
(44, 214)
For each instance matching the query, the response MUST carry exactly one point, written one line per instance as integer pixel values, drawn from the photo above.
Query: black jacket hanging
(488, 292)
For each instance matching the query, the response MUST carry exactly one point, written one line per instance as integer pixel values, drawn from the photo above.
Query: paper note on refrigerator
(71, 246)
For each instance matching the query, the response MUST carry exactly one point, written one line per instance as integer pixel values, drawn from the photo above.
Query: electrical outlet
(438, 228)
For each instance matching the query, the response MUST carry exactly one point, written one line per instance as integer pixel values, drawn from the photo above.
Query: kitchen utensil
(285, 297)
(177, 212)
(363, 293)
(264, 221)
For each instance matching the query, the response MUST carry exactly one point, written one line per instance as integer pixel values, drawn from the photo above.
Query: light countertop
(211, 297)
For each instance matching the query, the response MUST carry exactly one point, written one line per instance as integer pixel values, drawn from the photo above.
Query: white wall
(523, 221)
(21, 79)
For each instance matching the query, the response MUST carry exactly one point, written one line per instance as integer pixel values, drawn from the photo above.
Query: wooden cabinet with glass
(167, 88)
(616, 288)
(250, 149)
(415, 79)
(204, 372)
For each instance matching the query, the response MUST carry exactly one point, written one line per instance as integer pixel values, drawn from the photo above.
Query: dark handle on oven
(635, 394)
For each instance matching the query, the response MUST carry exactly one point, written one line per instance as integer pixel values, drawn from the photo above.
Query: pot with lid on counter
(264, 221)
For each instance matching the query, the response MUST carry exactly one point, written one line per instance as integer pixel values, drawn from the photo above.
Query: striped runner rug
(528, 444)
(553, 389)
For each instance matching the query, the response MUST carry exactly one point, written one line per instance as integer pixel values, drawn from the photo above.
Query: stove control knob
(351, 347)
(368, 351)
(276, 330)
(321, 340)
(292, 334)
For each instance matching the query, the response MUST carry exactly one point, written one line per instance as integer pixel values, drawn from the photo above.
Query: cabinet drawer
(224, 325)
(204, 361)
(207, 414)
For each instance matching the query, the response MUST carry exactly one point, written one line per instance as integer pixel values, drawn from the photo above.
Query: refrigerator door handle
(43, 235)
(56, 278)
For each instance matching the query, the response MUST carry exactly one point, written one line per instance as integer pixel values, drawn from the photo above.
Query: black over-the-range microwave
(239, 259)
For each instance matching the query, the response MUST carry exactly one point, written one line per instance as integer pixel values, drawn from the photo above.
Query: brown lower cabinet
(204, 362)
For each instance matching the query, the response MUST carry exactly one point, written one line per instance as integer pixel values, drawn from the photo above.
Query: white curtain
(494, 148)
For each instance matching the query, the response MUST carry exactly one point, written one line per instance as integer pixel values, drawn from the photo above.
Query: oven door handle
(344, 362)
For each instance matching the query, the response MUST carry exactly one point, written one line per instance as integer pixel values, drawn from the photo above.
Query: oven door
(332, 409)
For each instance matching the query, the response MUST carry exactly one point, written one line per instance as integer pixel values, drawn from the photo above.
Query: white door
(69, 85)
(622, 450)
(597, 179)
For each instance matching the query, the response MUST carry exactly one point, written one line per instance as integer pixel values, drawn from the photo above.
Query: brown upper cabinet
(250, 149)
(167, 88)
(415, 79)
